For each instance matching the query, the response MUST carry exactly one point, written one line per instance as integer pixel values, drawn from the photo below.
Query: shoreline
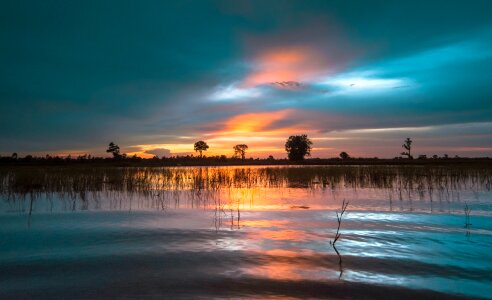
(213, 162)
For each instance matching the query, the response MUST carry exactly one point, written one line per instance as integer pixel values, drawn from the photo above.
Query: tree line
(298, 147)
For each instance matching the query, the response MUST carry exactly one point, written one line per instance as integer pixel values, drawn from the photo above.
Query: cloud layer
(156, 77)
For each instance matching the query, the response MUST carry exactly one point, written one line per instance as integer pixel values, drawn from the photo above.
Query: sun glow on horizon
(264, 132)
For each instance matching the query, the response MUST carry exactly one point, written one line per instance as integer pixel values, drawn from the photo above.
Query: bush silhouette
(344, 155)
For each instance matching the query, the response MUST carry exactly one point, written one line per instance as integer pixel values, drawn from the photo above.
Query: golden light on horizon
(264, 132)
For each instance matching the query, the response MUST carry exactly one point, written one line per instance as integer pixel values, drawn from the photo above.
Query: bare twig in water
(339, 219)
(337, 235)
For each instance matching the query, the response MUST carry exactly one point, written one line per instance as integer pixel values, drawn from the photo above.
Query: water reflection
(246, 232)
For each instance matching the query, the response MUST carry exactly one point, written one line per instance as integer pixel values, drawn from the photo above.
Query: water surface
(235, 232)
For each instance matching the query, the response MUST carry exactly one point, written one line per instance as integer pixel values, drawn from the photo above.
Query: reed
(467, 216)
(160, 187)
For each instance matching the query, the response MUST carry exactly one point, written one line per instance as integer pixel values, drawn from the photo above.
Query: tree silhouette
(298, 146)
(201, 146)
(407, 145)
(14, 155)
(344, 155)
(240, 150)
(114, 149)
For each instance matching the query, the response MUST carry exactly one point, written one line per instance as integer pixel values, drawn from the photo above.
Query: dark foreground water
(249, 242)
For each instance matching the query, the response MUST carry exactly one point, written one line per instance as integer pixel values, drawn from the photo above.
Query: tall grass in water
(467, 219)
(81, 187)
(467, 216)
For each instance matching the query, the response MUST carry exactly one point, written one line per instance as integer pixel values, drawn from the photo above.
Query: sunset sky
(157, 76)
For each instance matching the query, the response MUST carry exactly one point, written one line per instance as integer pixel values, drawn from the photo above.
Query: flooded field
(408, 232)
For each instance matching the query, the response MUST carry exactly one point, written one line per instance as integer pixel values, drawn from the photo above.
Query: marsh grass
(81, 187)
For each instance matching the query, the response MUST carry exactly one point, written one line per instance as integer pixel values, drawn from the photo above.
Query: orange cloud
(254, 122)
(140, 154)
(264, 132)
(261, 131)
(290, 64)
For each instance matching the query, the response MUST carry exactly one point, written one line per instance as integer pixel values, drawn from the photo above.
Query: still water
(246, 232)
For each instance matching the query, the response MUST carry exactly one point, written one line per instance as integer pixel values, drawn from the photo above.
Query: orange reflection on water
(280, 235)
(281, 264)
(269, 198)
(283, 252)
(264, 223)
(276, 270)
(233, 188)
